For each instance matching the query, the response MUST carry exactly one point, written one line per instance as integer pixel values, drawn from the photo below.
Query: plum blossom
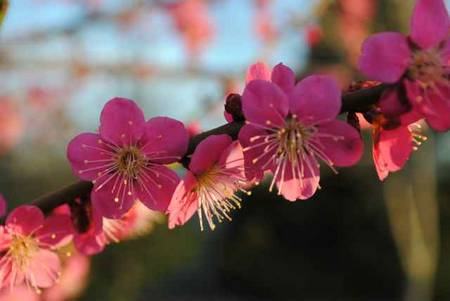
(291, 127)
(75, 272)
(95, 232)
(394, 136)
(209, 187)
(126, 159)
(27, 244)
(418, 63)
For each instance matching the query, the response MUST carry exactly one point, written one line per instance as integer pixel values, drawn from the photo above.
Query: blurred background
(61, 60)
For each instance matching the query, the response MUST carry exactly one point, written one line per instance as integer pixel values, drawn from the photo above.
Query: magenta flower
(126, 159)
(215, 175)
(27, 242)
(290, 128)
(419, 63)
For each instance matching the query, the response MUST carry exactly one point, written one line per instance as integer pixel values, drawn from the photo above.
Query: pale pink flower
(126, 159)
(73, 279)
(419, 62)
(209, 187)
(291, 127)
(27, 242)
(20, 293)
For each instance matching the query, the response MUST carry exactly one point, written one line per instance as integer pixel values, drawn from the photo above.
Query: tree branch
(357, 101)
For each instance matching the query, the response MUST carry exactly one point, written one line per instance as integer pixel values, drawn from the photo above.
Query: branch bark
(357, 101)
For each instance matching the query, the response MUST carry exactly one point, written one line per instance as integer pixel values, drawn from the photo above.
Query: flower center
(130, 161)
(427, 67)
(22, 249)
(293, 139)
(216, 196)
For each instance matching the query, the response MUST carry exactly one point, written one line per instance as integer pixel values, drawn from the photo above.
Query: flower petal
(44, 269)
(87, 155)
(160, 183)
(385, 57)
(316, 99)
(57, 230)
(208, 152)
(433, 104)
(391, 150)
(264, 103)
(122, 122)
(429, 23)
(258, 71)
(284, 77)
(90, 243)
(292, 187)
(25, 219)
(165, 139)
(340, 142)
(111, 199)
(183, 204)
(254, 149)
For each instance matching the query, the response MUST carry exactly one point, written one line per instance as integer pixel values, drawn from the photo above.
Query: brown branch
(358, 101)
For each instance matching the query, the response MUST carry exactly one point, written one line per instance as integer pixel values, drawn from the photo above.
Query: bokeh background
(61, 60)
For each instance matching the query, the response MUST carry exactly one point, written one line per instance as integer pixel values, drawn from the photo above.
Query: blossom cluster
(288, 129)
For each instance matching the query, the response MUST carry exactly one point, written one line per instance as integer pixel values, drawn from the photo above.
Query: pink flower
(27, 242)
(291, 127)
(215, 175)
(192, 20)
(102, 231)
(394, 133)
(20, 293)
(73, 279)
(125, 160)
(419, 63)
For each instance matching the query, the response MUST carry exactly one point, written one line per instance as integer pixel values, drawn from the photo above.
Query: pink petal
(19, 293)
(183, 204)
(160, 184)
(393, 106)
(385, 57)
(344, 147)
(429, 23)
(293, 188)
(25, 219)
(264, 103)
(253, 149)
(228, 117)
(109, 202)
(90, 243)
(316, 99)
(43, 269)
(3, 206)
(433, 104)
(208, 152)
(284, 77)
(391, 150)
(56, 231)
(258, 71)
(87, 154)
(122, 122)
(165, 139)
(5, 240)
(232, 157)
